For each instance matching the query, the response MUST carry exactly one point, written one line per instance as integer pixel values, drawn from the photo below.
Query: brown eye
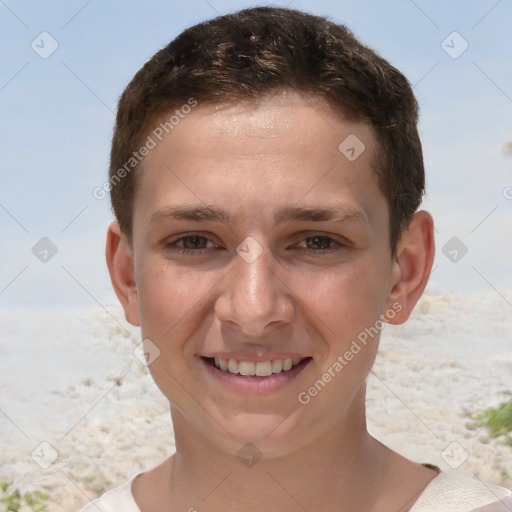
(194, 242)
(319, 242)
(191, 244)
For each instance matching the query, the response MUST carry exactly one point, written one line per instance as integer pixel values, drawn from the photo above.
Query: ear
(120, 266)
(412, 266)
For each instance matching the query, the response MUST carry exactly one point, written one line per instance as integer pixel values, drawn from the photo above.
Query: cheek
(170, 300)
(174, 304)
(345, 307)
(346, 299)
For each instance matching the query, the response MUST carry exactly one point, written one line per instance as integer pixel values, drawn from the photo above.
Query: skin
(253, 159)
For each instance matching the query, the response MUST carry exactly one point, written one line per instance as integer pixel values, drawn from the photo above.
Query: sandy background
(69, 379)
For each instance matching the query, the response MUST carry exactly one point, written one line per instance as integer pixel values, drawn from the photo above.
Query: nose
(254, 299)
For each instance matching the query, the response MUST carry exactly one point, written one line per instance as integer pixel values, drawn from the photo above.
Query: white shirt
(445, 493)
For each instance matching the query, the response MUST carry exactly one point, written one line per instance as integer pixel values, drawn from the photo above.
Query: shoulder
(119, 499)
(454, 493)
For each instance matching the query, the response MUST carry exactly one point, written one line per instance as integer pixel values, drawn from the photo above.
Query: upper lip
(239, 356)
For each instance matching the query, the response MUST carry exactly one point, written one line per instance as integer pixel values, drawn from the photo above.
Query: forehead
(286, 148)
(269, 122)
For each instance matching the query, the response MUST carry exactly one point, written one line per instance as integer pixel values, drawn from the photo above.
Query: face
(258, 245)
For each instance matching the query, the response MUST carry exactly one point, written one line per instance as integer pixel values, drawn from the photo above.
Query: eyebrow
(288, 214)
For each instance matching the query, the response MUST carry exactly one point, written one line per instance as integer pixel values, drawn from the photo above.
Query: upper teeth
(260, 369)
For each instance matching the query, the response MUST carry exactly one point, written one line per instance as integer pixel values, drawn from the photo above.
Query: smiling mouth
(250, 368)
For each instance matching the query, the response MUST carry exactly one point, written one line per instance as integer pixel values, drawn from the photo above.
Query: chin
(269, 435)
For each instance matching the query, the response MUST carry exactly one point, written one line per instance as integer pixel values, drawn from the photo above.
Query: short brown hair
(262, 50)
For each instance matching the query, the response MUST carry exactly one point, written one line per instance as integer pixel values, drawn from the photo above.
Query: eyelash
(183, 250)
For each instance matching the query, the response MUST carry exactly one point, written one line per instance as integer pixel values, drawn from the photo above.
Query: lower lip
(252, 383)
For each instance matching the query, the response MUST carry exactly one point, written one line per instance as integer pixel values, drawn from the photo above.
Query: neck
(320, 475)
(341, 470)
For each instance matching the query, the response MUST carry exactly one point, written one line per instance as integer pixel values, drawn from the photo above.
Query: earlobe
(122, 273)
(413, 264)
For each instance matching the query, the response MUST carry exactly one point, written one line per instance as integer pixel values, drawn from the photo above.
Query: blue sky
(58, 113)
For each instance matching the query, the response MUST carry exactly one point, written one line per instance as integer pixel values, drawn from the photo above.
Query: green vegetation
(497, 420)
(13, 502)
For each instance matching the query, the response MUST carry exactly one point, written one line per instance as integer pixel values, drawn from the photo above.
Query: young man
(266, 173)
